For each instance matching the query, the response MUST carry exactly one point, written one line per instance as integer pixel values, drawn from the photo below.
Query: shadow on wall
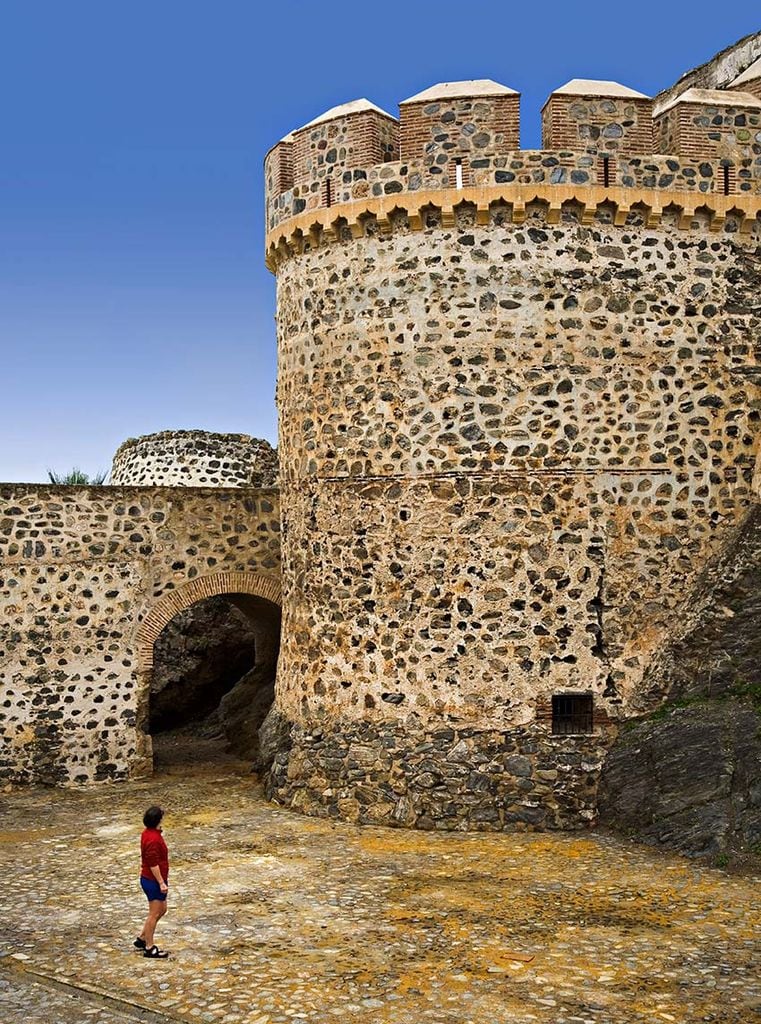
(214, 667)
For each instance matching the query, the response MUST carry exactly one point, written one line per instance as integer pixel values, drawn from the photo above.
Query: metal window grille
(571, 714)
(725, 177)
(328, 192)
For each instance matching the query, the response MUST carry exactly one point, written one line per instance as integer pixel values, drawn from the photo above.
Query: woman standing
(154, 879)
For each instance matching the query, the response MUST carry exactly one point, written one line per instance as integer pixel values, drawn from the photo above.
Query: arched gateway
(160, 613)
(253, 594)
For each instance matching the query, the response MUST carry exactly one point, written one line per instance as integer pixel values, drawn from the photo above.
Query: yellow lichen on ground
(282, 919)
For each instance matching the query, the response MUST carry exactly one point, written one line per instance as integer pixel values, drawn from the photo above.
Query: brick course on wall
(278, 168)
(85, 573)
(753, 87)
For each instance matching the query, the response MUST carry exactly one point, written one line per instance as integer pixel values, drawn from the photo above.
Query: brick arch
(165, 609)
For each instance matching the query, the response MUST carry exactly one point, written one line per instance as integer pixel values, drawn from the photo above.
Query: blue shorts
(152, 889)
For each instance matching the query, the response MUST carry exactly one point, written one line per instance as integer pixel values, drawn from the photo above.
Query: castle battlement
(458, 142)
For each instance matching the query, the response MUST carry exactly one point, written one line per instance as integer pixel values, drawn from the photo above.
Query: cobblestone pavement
(26, 1000)
(288, 920)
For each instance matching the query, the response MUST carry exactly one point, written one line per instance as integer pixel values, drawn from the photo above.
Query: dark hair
(152, 816)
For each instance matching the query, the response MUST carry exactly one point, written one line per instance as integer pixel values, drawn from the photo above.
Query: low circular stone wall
(195, 458)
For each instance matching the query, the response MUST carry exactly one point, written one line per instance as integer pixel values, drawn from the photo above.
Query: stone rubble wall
(405, 775)
(672, 174)
(81, 569)
(195, 458)
(598, 124)
(507, 451)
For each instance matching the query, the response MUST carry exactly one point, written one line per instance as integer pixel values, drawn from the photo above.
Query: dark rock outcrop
(688, 774)
(244, 708)
(199, 657)
(688, 779)
(274, 738)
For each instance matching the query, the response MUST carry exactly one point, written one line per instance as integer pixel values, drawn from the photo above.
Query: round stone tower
(518, 416)
(194, 458)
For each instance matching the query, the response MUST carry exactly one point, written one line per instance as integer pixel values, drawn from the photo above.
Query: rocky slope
(198, 658)
(688, 775)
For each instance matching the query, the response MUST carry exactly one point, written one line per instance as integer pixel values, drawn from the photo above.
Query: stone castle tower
(519, 405)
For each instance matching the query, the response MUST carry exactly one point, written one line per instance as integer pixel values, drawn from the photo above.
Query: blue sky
(133, 296)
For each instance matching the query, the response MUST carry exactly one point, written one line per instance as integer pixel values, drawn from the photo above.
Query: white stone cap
(354, 107)
(450, 90)
(751, 73)
(595, 87)
(710, 98)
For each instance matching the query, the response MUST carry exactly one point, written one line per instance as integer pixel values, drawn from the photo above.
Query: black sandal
(154, 953)
(139, 943)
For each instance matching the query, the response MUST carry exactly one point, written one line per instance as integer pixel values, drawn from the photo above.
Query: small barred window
(572, 714)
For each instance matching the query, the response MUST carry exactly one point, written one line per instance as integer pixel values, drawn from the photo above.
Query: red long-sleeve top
(153, 853)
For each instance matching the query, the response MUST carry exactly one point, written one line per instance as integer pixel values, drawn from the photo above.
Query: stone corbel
(415, 219)
(654, 216)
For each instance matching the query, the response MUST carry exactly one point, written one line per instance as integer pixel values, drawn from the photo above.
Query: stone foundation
(446, 779)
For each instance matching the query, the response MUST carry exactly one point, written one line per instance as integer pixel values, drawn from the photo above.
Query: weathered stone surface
(195, 458)
(690, 779)
(275, 918)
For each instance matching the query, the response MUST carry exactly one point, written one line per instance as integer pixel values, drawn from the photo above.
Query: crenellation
(355, 135)
(461, 135)
(598, 117)
(458, 123)
(712, 124)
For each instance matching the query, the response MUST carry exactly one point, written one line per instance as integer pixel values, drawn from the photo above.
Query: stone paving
(23, 1000)
(281, 919)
